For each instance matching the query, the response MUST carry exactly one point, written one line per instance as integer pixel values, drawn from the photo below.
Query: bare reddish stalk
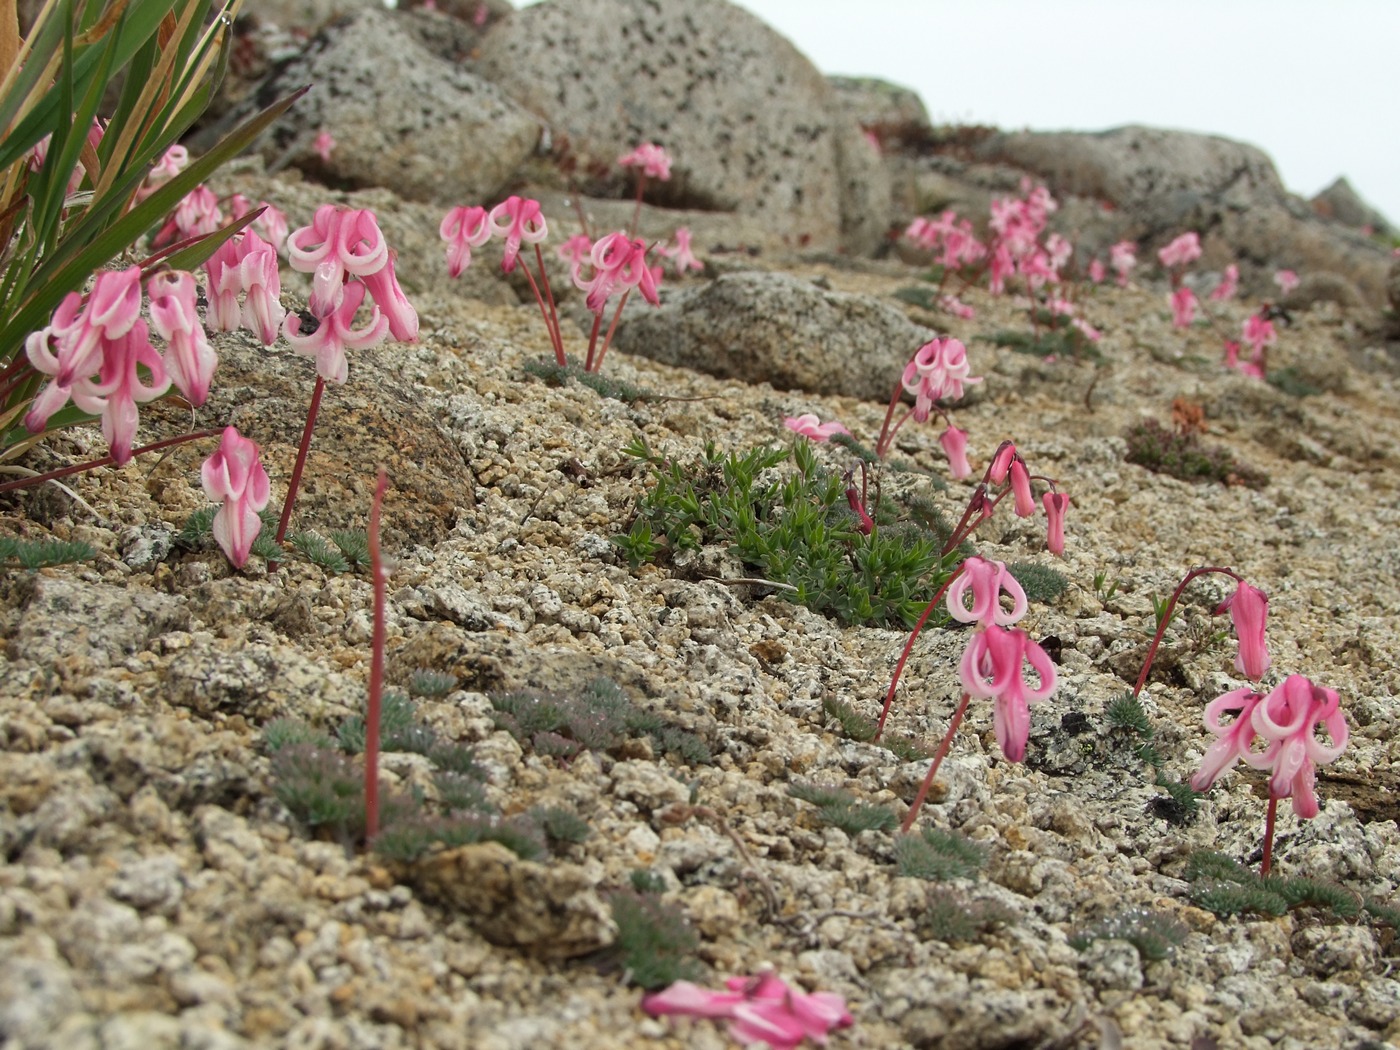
(593, 343)
(551, 319)
(938, 757)
(105, 461)
(882, 444)
(554, 336)
(302, 450)
(1167, 617)
(908, 648)
(376, 664)
(607, 339)
(1269, 837)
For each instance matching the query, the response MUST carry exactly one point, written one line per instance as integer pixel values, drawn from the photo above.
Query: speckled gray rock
(751, 124)
(1341, 203)
(551, 909)
(75, 627)
(429, 128)
(773, 328)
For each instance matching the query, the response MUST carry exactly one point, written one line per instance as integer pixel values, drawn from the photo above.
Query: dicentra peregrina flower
(763, 1008)
(808, 425)
(235, 476)
(189, 359)
(992, 666)
(1183, 250)
(985, 581)
(463, 229)
(1249, 609)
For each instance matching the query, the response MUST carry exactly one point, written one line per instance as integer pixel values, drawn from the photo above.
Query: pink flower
(75, 346)
(116, 392)
(247, 265)
(1286, 280)
(463, 229)
(1001, 462)
(1234, 739)
(341, 242)
(1185, 249)
(1021, 488)
(190, 360)
(1288, 719)
(654, 161)
(1183, 307)
(954, 442)
(172, 162)
(992, 667)
(681, 254)
(763, 1008)
(323, 145)
(1122, 257)
(937, 370)
(1229, 284)
(1259, 332)
(1249, 609)
(617, 262)
(576, 248)
(1087, 330)
(334, 333)
(234, 476)
(812, 428)
(955, 306)
(348, 240)
(272, 223)
(987, 580)
(517, 219)
(197, 214)
(1055, 504)
(1096, 271)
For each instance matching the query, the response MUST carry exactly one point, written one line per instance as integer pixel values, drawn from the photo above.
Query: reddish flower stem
(607, 339)
(105, 461)
(938, 757)
(593, 343)
(551, 320)
(882, 444)
(554, 336)
(376, 664)
(1269, 837)
(302, 450)
(908, 648)
(1167, 617)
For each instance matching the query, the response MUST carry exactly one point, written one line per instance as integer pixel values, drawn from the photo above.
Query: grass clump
(317, 780)
(556, 374)
(1040, 582)
(1222, 885)
(791, 524)
(41, 554)
(433, 684)
(953, 918)
(938, 856)
(598, 718)
(841, 809)
(1186, 457)
(1155, 935)
(655, 943)
(319, 552)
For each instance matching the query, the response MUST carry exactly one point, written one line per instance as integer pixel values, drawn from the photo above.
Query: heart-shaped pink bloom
(518, 220)
(1055, 504)
(986, 580)
(1234, 738)
(463, 229)
(812, 428)
(335, 332)
(1288, 719)
(1249, 611)
(234, 476)
(189, 358)
(992, 667)
(954, 442)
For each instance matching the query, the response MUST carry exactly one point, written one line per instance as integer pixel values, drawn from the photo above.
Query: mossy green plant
(841, 809)
(1186, 457)
(790, 521)
(938, 855)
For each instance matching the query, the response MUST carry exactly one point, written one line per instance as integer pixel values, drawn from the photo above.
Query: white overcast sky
(1313, 83)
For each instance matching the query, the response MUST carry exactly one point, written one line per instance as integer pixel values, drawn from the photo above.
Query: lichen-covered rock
(774, 328)
(550, 909)
(751, 124)
(401, 116)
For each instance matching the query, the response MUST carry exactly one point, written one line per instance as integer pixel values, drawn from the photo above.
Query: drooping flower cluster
(938, 370)
(92, 350)
(1286, 720)
(616, 263)
(347, 256)
(650, 159)
(760, 1009)
(246, 265)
